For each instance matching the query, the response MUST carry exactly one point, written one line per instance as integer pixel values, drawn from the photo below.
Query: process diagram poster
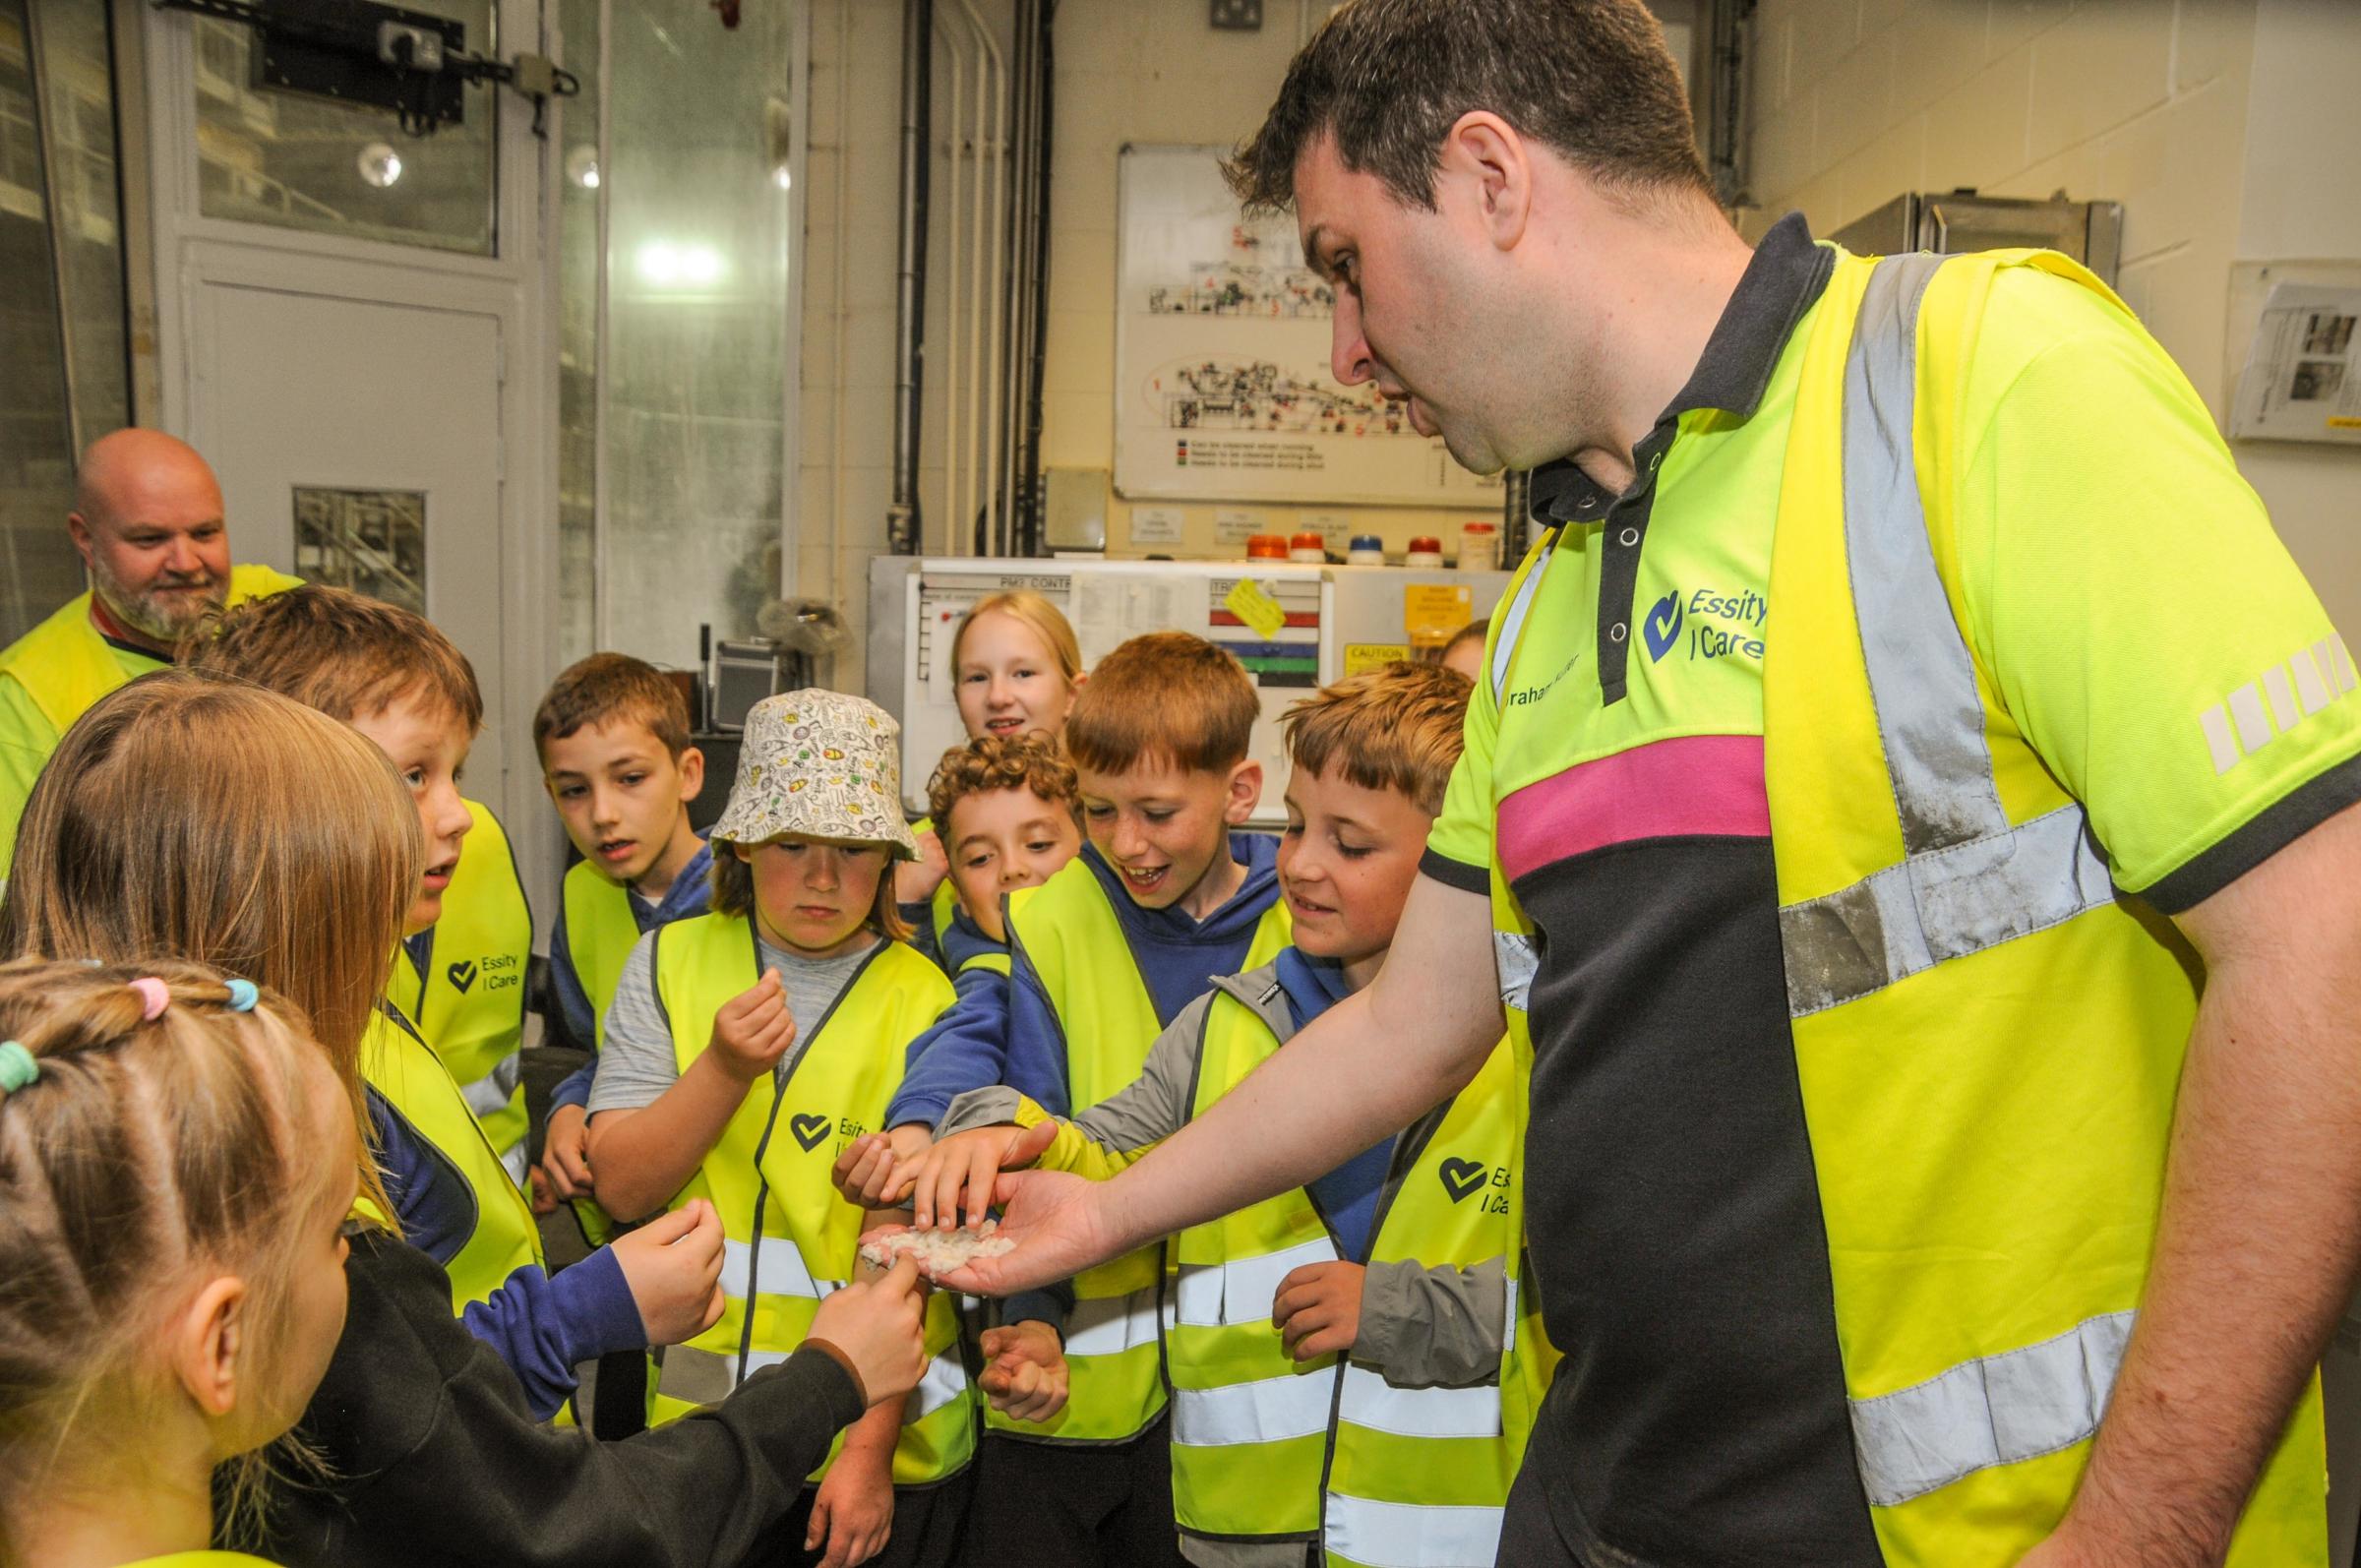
(1221, 361)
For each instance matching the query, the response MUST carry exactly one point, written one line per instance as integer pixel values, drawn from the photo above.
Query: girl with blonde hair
(173, 1251)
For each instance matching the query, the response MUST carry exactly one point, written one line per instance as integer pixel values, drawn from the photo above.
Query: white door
(371, 459)
(354, 326)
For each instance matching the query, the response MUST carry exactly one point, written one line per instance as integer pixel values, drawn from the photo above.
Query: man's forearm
(2256, 1245)
(638, 1159)
(1363, 1070)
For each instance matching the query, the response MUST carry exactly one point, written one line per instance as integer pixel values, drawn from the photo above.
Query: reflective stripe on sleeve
(1995, 1409)
(1238, 1290)
(1405, 1536)
(1371, 1401)
(1109, 1325)
(1266, 1412)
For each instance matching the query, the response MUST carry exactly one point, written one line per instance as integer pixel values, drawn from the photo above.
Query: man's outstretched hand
(1056, 1220)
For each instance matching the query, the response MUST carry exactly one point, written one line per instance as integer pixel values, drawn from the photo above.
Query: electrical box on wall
(1237, 16)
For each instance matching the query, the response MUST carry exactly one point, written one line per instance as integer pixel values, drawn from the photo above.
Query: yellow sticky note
(1363, 657)
(1253, 603)
(1433, 612)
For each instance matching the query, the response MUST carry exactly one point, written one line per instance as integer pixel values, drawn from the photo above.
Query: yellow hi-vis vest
(1329, 1451)
(790, 1238)
(418, 1088)
(600, 934)
(66, 666)
(1988, 1041)
(469, 997)
(1074, 940)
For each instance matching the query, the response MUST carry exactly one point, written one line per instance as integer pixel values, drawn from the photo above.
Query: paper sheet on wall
(2302, 379)
(1112, 608)
(1222, 387)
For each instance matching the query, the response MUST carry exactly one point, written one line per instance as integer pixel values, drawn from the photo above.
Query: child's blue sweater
(541, 1325)
(691, 893)
(1006, 1030)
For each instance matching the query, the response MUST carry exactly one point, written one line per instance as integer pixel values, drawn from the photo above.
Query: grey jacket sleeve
(1433, 1327)
(1150, 1109)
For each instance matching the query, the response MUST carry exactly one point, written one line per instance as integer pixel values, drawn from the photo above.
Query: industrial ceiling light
(379, 164)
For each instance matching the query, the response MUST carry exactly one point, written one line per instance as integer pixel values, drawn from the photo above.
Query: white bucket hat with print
(822, 764)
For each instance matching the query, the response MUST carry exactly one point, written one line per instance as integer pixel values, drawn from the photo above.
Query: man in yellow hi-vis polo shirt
(1904, 825)
(147, 522)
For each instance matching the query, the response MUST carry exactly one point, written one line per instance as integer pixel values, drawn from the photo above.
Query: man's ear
(1246, 791)
(206, 1344)
(1483, 154)
(693, 773)
(78, 529)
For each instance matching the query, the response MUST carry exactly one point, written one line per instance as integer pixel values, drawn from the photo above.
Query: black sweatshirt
(439, 1460)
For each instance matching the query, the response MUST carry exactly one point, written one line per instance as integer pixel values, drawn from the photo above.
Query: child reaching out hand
(743, 1049)
(176, 1163)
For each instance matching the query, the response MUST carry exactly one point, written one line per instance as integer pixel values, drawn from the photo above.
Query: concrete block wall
(2228, 129)
(2141, 101)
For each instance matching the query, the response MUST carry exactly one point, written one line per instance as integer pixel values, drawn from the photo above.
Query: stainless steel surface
(1951, 222)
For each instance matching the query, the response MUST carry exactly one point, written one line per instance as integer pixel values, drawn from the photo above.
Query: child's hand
(871, 1163)
(753, 1029)
(852, 1512)
(673, 1265)
(968, 1162)
(1026, 1374)
(565, 1168)
(879, 1324)
(915, 881)
(1317, 1309)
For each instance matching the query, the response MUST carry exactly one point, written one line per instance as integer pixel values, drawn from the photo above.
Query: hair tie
(154, 997)
(243, 995)
(17, 1066)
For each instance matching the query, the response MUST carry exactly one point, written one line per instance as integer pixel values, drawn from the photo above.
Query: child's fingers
(571, 1157)
(818, 1530)
(997, 1340)
(545, 1193)
(1031, 1144)
(894, 1183)
(984, 1170)
(670, 1226)
(1293, 1298)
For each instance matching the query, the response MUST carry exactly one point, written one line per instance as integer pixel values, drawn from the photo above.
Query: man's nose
(1349, 355)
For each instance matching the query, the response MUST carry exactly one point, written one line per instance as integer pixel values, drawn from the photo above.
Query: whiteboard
(1221, 361)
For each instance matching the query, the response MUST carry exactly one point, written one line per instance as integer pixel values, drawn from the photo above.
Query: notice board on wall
(1223, 390)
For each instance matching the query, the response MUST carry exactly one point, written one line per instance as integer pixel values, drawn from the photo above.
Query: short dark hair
(1388, 78)
(612, 688)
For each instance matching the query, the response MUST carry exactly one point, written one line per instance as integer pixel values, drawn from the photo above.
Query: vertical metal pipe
(1044, 66)
(902, 519)
(45, 133)
(957, 72)
(1009, 354)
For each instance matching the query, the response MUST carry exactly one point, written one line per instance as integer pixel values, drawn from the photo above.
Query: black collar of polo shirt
(1780, 282)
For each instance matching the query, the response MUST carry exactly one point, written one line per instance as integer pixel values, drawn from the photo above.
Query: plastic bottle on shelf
(1479, 546)
(1424, 551)
(1367, 550)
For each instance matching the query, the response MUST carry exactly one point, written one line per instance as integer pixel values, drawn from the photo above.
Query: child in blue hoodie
(1351, 1363)
(1103, 956)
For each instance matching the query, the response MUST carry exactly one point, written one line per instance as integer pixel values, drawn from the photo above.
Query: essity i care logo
(1707, 623)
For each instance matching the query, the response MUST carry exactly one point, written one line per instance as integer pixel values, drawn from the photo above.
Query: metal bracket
(380, 56)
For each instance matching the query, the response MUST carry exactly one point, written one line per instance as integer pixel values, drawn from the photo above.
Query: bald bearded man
(147, 522)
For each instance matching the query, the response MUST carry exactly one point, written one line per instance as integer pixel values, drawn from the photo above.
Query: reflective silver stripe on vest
(1994, 1411)
(496, 1090)
(1266, 1412)
(1370, 1400)
(1406, 1535)
(700, 1377)
(1109, 1325)
(782, 1266)
(1968, 880)
(1239, 1290)
(516, 1163)
(1512, 622)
